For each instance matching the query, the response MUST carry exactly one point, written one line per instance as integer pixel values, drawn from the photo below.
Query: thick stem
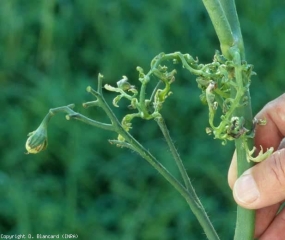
(221, 24)
(245, 217)
(225, 20)
(245, 223)
(231, 14)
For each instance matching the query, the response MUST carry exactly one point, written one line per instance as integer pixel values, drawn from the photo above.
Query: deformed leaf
(116, 100)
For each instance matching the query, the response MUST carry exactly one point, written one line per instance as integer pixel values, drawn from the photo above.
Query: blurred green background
(51, 50)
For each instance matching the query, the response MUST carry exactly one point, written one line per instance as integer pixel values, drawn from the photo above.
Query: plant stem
(197, 208)
(225, 20)
(161, 123)
(221, 24)
(133, 144)
(245, 217)
(231, 14)
(245, 223)
(189, 193)
(74, 115)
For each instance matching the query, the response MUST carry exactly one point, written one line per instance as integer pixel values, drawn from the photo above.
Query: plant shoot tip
(71, 105)
(88, 89)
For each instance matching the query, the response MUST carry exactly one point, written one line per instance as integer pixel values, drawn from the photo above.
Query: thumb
(262, 185)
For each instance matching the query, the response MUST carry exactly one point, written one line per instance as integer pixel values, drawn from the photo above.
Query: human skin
(262, 187)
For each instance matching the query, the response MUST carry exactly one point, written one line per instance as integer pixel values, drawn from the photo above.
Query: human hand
(262, 187)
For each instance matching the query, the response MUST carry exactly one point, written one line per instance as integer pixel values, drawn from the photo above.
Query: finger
(232, 173)
(282, 144)
(264, 217)
(262, 185)
(276, 229)
(271, 134)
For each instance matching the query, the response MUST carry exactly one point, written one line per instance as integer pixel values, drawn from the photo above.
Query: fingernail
(245, 189)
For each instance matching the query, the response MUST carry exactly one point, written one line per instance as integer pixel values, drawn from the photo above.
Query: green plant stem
(191, 200)
(225, 20)
(221, 24)
(245, 217)
(74, 115)
(154, 65)
(245, 223)
(231, 14)
(190, 197)
(133, 144)
(161, 123)
(198, 207)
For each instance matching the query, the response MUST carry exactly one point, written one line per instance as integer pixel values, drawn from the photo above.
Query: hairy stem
(74, 115)
(130, 142)
(161, 123)
(194, 201)
(189, 195)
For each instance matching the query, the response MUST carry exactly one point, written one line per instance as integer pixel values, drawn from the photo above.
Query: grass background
(51, 50)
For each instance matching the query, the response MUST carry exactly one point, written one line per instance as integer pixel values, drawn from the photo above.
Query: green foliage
(51, 51)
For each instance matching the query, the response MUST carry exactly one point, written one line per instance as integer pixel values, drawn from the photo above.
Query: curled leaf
(261, 155)
(116, 100)
(110, 88)
(124, 84)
